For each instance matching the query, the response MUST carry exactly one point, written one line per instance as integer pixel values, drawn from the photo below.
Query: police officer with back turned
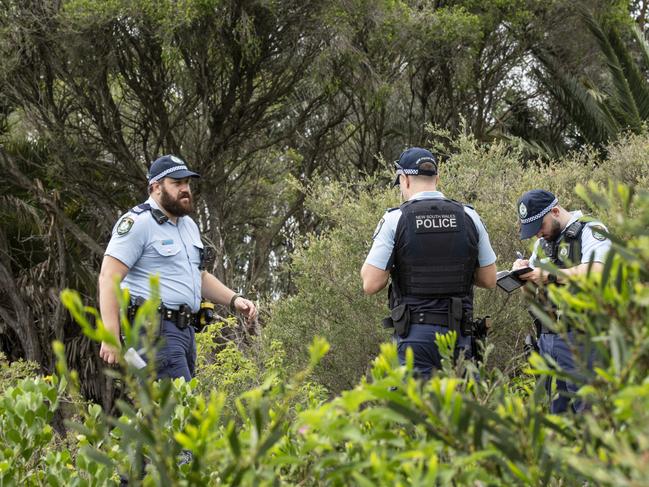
(433, 250)
(570, 244)
(158, 237)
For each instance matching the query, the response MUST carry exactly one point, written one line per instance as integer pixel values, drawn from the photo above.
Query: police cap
(169, 167)
(532, 207)
(410, 160)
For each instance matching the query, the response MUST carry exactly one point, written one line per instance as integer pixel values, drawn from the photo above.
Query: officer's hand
(537, 276)
(108, 353)
(520, 264)
(246, 308)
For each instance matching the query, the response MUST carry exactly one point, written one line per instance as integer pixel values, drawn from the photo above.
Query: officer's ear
(405, 181)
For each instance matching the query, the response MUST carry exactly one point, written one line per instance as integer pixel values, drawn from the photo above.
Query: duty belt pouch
(401, 320)
(183, 318)
(455, 315)
(131, 311)
(466, 327)
(387, 322)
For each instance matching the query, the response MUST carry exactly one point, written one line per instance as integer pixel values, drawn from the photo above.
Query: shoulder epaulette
(157, 214)
(140, 208)
(392, 209)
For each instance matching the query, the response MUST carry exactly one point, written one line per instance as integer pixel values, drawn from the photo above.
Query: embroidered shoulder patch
(125, 225)
(378, 228)
(598, 232)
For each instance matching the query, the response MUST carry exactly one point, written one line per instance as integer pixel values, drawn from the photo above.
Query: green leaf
(317, 350)
(97, 456)
(233, 440)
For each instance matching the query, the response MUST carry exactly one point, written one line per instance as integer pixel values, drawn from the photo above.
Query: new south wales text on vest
(436, 223)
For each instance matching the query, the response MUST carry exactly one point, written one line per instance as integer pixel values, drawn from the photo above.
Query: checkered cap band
(408, 171)
(540, 214)
(167, 171)
(414, 171)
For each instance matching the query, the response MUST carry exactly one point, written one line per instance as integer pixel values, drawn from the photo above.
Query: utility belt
(439, 319)
(401, 318)
(181, 317)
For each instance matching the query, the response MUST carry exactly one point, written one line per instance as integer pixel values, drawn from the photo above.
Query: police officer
(158, 237)
(434, 250)
(570, 244)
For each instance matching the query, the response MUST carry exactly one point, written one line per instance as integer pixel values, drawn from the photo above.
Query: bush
(229, 430)
(329, 301)
(457, 429)
(11, 373)
(468, 425)
(222, 366)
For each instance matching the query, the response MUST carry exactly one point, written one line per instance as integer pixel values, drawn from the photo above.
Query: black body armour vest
(566, 252)
(435, 256)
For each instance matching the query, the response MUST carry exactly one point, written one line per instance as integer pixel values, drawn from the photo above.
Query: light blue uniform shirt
(598, 246)
(381, 251)
(170, 250)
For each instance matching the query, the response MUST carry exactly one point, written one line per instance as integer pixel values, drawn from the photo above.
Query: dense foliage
(465, 425)
(330, 302)
(259, 95)
(291, 110)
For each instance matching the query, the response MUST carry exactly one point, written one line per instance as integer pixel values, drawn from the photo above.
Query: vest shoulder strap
(410, 202)
(574, 230)
(460, 203)
(573, 237)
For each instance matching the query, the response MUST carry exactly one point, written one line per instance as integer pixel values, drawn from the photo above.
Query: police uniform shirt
(380, 254)
(592, 243)
(169, 250)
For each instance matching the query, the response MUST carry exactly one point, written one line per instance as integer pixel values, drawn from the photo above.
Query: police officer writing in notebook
(570, 244)
(158, 237)
(433, 250)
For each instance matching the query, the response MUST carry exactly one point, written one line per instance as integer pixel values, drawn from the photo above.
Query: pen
(519, 255)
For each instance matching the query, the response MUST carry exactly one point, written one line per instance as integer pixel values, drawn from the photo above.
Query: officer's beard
(180, 206)
(555, 230)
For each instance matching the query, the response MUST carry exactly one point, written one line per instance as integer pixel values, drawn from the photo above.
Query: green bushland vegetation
(264, 416)
(255, 94)
(291, 111)
(329, 301)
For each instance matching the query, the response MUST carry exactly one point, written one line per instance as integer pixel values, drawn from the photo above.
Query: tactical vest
(565, 252)
(435, 256)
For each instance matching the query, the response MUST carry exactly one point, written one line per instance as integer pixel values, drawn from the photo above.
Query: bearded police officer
(158, 237)
(434, 250)
(570, 244)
